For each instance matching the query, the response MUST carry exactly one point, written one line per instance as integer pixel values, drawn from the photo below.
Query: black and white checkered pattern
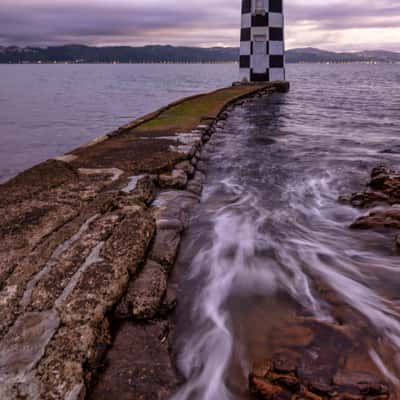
(262, 41)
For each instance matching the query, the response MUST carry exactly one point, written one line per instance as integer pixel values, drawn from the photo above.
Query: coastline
(88, 241)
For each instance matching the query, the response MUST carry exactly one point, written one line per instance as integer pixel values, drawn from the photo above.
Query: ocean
(47, 110)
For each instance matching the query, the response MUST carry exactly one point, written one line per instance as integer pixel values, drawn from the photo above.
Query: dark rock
(175, 205)
(380, 219)
(380, 170)
(322, 388)
(145, 293)
(384, 187)
(284, 363)
(165, 248)
(364, 199)
(186, 167)
(378, 181)
(145, 190)
(177, 179)
(202, 167)
(288, 381)
(195, 185)
(130, 240)
(169, 302)
(367, 384)
(138, 365)
(264, 390)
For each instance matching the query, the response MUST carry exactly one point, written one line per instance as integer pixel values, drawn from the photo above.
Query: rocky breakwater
(87, 241)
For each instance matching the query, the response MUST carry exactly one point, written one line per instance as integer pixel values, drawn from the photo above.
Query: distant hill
(157, 54)
(122, 54)
(310, 54)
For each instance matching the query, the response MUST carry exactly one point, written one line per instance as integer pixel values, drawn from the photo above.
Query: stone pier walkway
(87, 241)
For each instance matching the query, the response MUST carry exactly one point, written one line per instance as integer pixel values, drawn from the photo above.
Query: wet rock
(377, 171)
(39, 179)
(367, 384)
(186, 167)
(145, 190)
(61, 371)
(379, 219)
(264, 390)
(174, 205)
(364, 199)
(177, 179)
(67, 260)
(144, 372)
(130, 240)
(202, 167)
(195, 185)
(287, 381)
(24, 345)
(206, 138)
(284, 363)
(384, 186)
(322, 389)
(169, 302)
(280, 378)
(144, 294)
(194, 161)
(165, 247)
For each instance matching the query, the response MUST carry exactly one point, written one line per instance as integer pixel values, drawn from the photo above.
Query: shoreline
(89, 238)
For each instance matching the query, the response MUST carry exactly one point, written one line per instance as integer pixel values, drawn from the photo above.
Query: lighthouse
(262, 49)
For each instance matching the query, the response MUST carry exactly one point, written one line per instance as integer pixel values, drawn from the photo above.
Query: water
(269, 262)
(47, 110)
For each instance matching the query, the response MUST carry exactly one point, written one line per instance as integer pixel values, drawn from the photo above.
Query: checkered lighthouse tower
(261, 41)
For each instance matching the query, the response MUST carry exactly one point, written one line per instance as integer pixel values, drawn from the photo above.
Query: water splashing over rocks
(273, 282)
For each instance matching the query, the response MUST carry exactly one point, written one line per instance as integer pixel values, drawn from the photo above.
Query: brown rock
(195, 185)
(261, 369)
(264, 390)
(145, 293)
(177, 179)
(366, 383)
(138, 366)
(380, 219)
(288, 381)
(145, 190)
(186, 167)
(284, 363)
(378, 171)
(174, 205)
(169, 302)
(129, 241)
(322, 388)
(165, 247)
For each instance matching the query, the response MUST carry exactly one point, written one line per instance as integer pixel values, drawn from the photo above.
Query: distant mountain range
(159, 54)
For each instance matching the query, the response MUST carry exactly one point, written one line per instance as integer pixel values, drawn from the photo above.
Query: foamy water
(270, 244)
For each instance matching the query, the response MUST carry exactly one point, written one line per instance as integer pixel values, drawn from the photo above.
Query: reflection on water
(269, 261)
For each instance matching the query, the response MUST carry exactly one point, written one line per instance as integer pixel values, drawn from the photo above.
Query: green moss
(187, 114)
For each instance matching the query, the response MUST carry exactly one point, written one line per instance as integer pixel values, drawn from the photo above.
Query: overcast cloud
(327, 24)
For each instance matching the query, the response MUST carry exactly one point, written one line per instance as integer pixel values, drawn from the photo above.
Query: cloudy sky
(327, 24)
